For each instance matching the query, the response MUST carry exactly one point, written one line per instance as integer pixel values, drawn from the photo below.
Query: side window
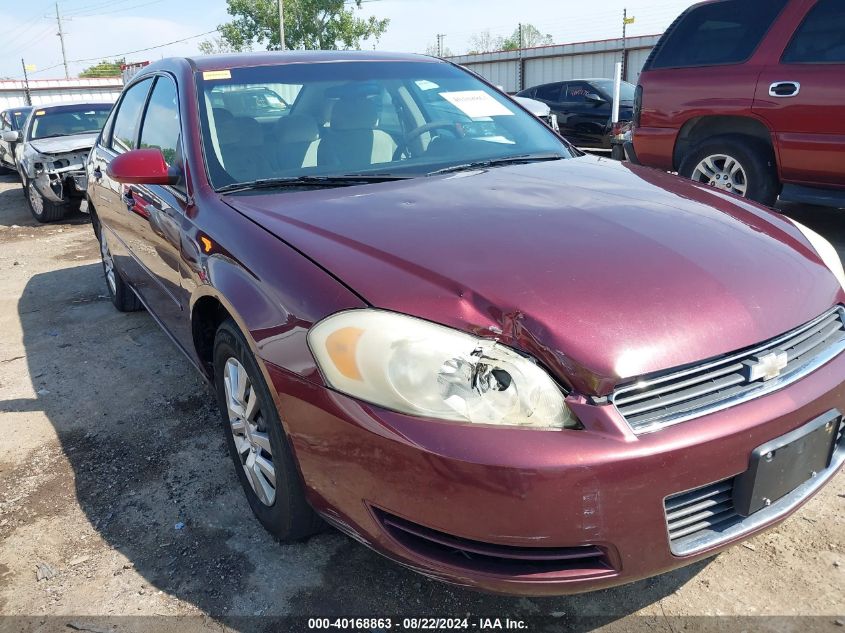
(577, 92)
(549, 92)
(5, 124)
(128, 116)
(821, 37)
(160, 127)
(725, 32)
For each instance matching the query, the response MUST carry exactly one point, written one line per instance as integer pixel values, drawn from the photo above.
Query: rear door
(802, 96)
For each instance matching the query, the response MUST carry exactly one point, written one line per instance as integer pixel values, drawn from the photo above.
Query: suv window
(726, 32)
(549, 92)
(821, 37)
(128, 117)
(5, 123)
(160, 127)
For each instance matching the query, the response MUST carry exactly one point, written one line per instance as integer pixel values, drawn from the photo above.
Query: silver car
(50, 155)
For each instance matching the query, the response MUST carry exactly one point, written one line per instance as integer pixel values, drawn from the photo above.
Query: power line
(120, 55)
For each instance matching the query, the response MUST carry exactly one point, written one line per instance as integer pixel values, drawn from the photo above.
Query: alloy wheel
(108, 264)
(723, 172)
(249, 431)
(35, 199)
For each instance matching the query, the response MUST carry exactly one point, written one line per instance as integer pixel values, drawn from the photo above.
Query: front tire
(122, 296)
(42, 209)
(738, 164)
(257, 444)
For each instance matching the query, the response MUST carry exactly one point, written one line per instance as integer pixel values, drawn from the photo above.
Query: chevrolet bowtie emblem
(766, 366)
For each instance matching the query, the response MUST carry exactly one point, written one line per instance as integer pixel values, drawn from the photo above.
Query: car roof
(264, 58)
(75, 104)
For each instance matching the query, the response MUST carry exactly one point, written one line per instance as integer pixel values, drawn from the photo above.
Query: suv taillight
(638, 105)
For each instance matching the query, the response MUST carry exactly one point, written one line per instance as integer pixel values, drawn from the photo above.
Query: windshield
(68, 120)
(399, 119)
(19, 117)
(626, 91)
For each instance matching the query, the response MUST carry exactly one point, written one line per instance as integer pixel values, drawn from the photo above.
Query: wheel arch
(698, 129)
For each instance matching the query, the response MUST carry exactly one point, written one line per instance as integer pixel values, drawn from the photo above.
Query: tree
(218, 45)
(104, 69)
(484, 42)
(431, 49)
(531, 36)
(309, 24)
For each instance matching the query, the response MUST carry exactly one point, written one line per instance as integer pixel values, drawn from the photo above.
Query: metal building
(46, 91)
(516, 70)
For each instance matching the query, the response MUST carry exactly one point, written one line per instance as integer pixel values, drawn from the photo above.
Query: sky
(100, 29)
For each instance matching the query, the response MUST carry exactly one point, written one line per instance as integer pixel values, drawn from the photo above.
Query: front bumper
(576, 510)
(61, 186)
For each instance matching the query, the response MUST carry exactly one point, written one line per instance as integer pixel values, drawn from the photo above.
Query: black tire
(122, 296)
(46, 211)
(289, 517)
(756, 158)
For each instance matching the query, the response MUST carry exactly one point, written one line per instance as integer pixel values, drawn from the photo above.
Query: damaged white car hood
(64, 144)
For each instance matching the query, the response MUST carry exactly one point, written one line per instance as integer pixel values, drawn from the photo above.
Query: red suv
(749, 96)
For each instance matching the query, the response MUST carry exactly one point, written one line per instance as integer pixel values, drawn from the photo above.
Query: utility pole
(520, 63)
(61, 35)
(27, 93)
(282, 23)
(441, 49)
(625, 22)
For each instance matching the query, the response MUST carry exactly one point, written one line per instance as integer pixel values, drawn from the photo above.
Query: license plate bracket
(779, 466)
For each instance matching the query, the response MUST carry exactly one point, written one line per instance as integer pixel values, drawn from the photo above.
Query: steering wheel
(450, 126)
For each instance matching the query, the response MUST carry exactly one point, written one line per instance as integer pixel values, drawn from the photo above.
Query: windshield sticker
(209, 75)
(40, 113)
(476, 104)
(425, 84)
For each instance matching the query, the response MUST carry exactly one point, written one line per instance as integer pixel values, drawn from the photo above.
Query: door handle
(784, 89)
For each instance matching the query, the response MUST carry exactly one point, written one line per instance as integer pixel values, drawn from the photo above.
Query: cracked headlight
(825, 251)
(420, 368)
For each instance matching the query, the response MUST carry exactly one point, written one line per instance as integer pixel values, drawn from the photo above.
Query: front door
(155, 214)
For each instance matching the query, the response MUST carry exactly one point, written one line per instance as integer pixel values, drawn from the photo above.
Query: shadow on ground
(146, 454)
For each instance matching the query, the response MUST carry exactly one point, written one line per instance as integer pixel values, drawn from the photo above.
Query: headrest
(355, 113)
(297, 128)
(242, 131)
(221, 115)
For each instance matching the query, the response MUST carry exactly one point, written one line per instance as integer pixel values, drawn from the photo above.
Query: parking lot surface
(117, 496)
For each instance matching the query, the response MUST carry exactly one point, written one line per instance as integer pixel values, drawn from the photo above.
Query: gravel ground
(117, 497)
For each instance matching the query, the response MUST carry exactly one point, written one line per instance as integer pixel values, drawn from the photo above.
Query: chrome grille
(653, 403)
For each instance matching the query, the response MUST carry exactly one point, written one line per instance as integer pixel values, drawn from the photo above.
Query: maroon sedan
(435, 325)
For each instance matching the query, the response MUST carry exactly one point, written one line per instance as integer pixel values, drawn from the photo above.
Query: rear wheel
(122, 296)
(737, 164)
(259, 449)
(42, 209)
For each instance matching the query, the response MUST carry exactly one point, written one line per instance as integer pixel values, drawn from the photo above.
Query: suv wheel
(738, 164)
(259, 449)
(43, 210)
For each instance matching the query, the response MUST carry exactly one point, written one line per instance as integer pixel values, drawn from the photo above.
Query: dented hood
(65, 144)
(602, 270)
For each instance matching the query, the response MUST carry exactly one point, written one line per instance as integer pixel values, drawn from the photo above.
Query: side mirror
(142, 167)
(11, 136)
(592, 97)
